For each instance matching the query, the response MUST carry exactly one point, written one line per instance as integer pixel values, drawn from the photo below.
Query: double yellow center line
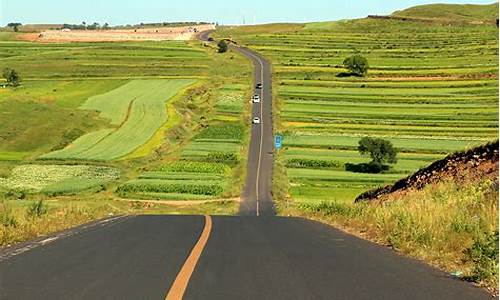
(180, 284)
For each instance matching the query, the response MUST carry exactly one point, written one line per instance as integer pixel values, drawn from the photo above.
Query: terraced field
(431, 90)
(210, 165)
(36, 61)
(136, 108)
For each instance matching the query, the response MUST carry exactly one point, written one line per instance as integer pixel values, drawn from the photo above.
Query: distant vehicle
(256, 99)
(259, 86)
(210, 39)
(256, 120)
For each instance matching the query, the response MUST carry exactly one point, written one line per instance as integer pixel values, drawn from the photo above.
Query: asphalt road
(256, 198)
(244, 258)
(202, 257)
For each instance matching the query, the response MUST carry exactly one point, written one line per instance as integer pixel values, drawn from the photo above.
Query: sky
(120, 12)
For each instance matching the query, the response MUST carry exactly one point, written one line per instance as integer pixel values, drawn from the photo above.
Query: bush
(37, 209)
(484, 254)
(12, 77)
(356, 64)
(371, 167)
(222, 46)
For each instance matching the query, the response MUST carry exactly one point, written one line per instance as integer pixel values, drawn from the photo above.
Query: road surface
(203, 257)
(256, 195)
(245, 258)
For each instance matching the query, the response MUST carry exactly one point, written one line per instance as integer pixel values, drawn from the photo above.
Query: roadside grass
(449, 225)
(60, 213)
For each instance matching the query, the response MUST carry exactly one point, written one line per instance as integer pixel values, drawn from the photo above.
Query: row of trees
(14, 26)
(85, 26)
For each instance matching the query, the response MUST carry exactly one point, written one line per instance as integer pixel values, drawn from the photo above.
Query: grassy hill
(461, 12)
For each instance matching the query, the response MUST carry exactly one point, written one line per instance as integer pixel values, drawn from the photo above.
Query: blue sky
(222, 11)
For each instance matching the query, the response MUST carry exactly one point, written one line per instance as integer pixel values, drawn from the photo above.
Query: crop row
(199, 187)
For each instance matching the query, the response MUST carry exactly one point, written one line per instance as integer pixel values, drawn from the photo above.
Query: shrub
(371, 167)
(356, 64)
(222, 46)
(37, 209)
(484, 254)
(6, 217)
(11, 76)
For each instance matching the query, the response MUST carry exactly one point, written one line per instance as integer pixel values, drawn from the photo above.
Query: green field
(58, 78)
(136, 108)
(430, 90)
(58, 179)
(211, 164)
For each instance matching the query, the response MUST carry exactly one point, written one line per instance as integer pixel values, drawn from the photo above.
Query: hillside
(477, 163)
(455, 12)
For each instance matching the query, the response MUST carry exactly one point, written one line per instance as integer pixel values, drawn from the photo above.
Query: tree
(381, 151)
(222, 46)
(15, 26)
(11, 76)
(356, 64)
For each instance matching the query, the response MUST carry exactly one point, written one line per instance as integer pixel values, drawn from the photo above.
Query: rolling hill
(455, 12)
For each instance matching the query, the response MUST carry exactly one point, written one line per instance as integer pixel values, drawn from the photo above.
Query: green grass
(138, 108)
(57, 78)
(469, 12)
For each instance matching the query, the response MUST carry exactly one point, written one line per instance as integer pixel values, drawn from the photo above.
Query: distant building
(66, 30)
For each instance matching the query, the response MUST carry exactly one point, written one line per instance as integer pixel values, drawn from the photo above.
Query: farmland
(54, 87)
(136, 108)
(430, 90)
(210, 165)
(58, 179)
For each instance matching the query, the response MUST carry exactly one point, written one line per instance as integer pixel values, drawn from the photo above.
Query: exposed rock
(480, 162)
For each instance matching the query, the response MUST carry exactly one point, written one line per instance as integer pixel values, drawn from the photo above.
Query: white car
(256, 99)
(256, 120)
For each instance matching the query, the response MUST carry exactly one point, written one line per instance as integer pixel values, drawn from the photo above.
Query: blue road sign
(278, 141)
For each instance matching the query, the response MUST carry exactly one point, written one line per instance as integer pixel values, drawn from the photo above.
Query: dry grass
(453, 227)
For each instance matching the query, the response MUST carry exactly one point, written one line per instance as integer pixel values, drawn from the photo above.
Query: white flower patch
(35, 177)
